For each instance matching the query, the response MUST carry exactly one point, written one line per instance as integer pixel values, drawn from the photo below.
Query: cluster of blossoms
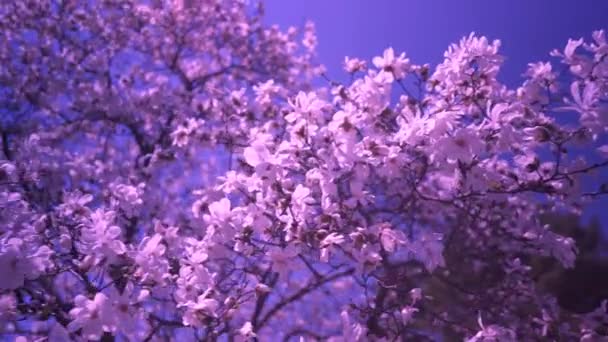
(169, 173)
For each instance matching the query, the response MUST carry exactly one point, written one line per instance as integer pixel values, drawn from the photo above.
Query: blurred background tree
(578, 290)
(582, 288)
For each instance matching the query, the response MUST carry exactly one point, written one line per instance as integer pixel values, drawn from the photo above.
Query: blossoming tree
(168, 172)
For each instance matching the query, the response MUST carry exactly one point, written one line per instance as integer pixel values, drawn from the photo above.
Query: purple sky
(423, 29)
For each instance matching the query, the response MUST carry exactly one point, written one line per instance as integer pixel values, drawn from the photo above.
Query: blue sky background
(423, 29)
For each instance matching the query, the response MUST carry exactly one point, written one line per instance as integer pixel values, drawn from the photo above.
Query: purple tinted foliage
(169, 173)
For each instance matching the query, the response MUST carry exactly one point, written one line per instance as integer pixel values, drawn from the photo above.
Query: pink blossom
(247, 331)
(352, 65)
(327, 244)
(305, 104)
(219, 212)
(101, 236)
(396, 65)
(351, 331)
(94, 316)
(407, 314)
(265, 91)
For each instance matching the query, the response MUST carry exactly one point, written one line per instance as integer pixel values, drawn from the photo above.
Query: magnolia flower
(230, 182)
(264, 92)
(257, 154)
(181, 135)
(206, 305)
(192, 280)
(472, 54)
(238, 99)
(74, 203)
(299, 196)
(149, 257)
(124, 310)
(21, 261)
(492, 333)
(571, 47)
(352, 331)
(352, 65)
(219, 212)
(416, 294)
(407, 313)
(496, 114)
(341, 122)
(261, 289)
(128, 197)
(395, 65)
(197, 250)
(310, 39)
(247, 331)
(542, 71)
(196, 311)
(101, 236)
(528, 161)
(7, 170)
(307, 104)
(389, 238)
(359, 196)
(328, 242)
(94, 317)
(584, 100)
(463, 145)
(8, 307)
